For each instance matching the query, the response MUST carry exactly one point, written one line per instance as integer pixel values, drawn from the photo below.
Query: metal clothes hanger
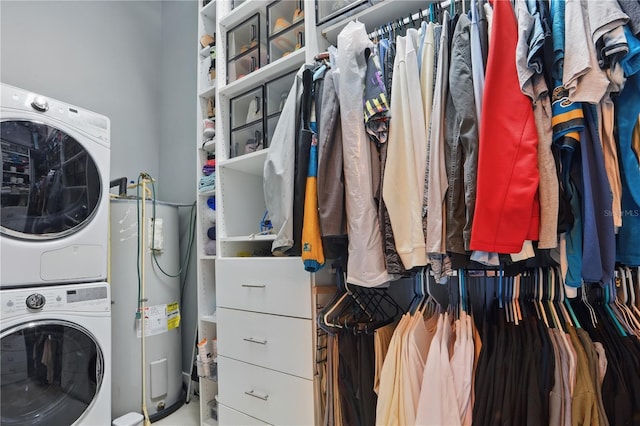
(620, 277)
(511, 299)
(585, 301)
(531, 292)
(499, 289)
(335, 303)
(633, 292)
(508, 299)
(461, 291)
(419, 292)
(402, 27)
(606, 291)
(621, 299)
(540, 291)
(527, 295)
(631, 296)
(564, 302)
(551, 282)
(619, 288)
(563, 305)
(636, 288)
(543, 285)
(432, 304)
(413, 22)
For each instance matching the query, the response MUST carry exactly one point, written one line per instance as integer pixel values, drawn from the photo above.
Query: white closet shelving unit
(207, 317)
(264, 306)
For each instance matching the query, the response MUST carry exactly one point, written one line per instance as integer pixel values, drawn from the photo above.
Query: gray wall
(99, 55)
(133, 61)
(178, 140)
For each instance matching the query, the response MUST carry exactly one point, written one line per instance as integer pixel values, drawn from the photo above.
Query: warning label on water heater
(173, 316)
(158, 319)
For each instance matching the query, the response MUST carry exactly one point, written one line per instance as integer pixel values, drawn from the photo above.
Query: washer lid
(50, 184)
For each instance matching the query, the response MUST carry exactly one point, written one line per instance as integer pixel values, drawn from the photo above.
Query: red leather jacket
(507, 210)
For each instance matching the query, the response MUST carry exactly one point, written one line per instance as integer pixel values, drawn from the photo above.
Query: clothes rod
(416, 17)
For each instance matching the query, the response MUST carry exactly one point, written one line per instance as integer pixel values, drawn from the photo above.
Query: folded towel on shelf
(207, 182)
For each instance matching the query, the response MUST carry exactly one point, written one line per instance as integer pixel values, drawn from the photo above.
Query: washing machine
(54, 203)
(55, 355)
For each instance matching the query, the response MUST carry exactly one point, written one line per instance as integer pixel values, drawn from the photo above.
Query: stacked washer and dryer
(55, 303)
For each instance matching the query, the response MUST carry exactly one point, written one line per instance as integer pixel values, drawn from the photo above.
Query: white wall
(133, 61)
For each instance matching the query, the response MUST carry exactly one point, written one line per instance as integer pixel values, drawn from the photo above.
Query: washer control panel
(16, 99)
(72, 297)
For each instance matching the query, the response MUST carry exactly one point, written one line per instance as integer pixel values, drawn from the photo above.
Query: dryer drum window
(50, 184)
(51, 373)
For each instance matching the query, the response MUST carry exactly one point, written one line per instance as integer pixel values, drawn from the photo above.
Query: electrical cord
(192, 232)
(139, 248)
(184, 263)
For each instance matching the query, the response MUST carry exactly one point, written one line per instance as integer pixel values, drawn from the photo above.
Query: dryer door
(50, 373)
(50, 183)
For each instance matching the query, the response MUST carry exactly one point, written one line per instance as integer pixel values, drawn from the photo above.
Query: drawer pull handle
(252, 340)
(255, 395)
(254, 286)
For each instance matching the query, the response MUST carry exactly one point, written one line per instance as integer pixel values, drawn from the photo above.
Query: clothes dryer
(55, 191)
(55, 362)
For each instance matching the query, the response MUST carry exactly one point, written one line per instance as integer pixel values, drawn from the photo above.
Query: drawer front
(276, 398)
(271, 341)
(274, 286)
(230, 417)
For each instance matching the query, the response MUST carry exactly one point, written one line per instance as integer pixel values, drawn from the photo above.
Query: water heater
(163, 363)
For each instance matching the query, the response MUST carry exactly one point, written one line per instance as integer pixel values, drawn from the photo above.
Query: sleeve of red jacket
(507, 209)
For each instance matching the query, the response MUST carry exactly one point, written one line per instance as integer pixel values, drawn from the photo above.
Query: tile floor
(187, 415)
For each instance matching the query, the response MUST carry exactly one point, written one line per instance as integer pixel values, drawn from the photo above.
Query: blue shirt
(557, 25)
(572, 179)
(599, 241)
(627, 111)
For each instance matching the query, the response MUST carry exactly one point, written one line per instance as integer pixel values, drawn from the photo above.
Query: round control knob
(40, 104)
(35, 301)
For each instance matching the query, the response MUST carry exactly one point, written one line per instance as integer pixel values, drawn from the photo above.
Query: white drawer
(274, 286)
(280, 343)
(276, 398)
(230, 417)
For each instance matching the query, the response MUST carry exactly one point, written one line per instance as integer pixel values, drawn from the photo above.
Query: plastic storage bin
(326, 10)
(285, 23)
(245, 52)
